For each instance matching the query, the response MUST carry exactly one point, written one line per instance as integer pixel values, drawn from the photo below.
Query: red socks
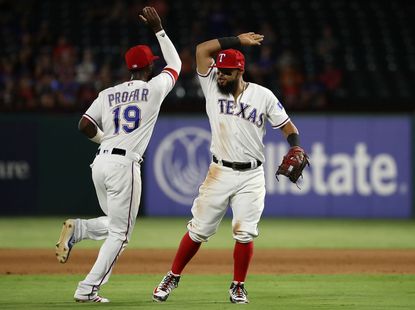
(187, 249)
(242, 255)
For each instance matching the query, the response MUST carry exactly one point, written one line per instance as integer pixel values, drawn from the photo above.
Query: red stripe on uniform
(172, 72)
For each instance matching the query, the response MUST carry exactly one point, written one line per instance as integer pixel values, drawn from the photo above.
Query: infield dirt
(265, 261)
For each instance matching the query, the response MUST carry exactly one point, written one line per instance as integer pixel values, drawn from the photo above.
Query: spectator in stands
(43, 36)
(46, 89)
(86, 69)
(67, 92)
(7, 92)
(327, 45)
(63, 52)
(25, 92)
(263, 71)
(312, 93)
(104, 79)
(331, 77)
(291, 80)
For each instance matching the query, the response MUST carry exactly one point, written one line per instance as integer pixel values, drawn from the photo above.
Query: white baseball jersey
(238, 127)
(128, 112)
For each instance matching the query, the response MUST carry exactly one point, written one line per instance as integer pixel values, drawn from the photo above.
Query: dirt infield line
(265, 261)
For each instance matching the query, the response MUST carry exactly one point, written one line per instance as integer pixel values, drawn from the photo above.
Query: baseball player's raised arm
(174, 64)
(206, 51)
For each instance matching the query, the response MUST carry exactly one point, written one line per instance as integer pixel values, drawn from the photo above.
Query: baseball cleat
(66, 241)
(237, 293)
(90, 298)
(163, 290)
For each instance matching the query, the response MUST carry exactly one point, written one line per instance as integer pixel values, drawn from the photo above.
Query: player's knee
(243, 236)
(197, 237)
(119, 234)
(244, 232)
(199, 232)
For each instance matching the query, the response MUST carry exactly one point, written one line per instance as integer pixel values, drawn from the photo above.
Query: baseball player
(237, 112)
(121, 120)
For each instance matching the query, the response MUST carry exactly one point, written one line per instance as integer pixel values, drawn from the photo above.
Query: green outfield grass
(274, 233)
(359, 292)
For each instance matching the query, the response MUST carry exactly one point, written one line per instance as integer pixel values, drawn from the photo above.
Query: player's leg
(208, 210)
(75, 230)
(247, 206)
(123, 184)
(96, 228)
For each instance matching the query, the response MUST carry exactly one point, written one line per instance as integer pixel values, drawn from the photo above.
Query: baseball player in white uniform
(237, 112)
(121, 120)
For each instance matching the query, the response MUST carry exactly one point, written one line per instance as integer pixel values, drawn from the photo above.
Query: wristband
(160, 33)
(98, 137)
(293, 139)
(229, 42)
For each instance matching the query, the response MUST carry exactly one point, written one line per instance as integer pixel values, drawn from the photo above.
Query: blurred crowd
(45, 69)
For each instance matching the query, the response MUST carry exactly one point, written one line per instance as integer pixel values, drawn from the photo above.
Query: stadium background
(323, 59)
(345, 70)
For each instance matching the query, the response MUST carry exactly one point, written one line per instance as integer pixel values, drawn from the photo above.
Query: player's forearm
(291, 134)
(212, 47)
(289, 129)
(208, 49)
(91, 131)
(169, 51)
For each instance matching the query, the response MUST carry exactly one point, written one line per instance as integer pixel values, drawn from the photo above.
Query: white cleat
(163, 290)
(238, 294)
(90, 298)
(66, 241)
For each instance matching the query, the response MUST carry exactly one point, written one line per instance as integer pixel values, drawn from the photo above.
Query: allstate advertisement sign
(360, 167)
(180, 163)
(18, 168)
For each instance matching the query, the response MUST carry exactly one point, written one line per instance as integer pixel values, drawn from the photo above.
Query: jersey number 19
(130, 119)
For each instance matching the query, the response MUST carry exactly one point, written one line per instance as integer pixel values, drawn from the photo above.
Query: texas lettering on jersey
(238, 126)
(243, 110)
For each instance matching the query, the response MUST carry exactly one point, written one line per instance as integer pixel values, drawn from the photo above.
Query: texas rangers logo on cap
(230, 58)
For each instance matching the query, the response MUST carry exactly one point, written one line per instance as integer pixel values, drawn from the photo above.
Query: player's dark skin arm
(207, 50)
(151, 18)
(288, 129)
(87, 127)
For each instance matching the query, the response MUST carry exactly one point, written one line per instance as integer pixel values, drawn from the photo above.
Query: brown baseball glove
(293, 164)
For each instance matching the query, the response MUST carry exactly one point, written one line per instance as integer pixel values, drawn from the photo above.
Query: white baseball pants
(243, 191)
(117, 181)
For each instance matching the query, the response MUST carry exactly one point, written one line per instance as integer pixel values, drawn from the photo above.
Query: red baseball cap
(230, 58)
(139, 56)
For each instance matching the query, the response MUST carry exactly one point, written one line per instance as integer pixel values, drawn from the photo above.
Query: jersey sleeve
(94, 112)
(276, 113)
(207, 80)
(164, 82)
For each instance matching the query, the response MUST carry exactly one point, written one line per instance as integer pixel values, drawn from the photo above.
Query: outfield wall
(360, 167)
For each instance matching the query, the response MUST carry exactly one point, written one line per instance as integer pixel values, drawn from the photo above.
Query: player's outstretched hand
(151, 18)
(250, 38)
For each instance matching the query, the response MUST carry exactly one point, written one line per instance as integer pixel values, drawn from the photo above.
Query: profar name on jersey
(136, 95)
